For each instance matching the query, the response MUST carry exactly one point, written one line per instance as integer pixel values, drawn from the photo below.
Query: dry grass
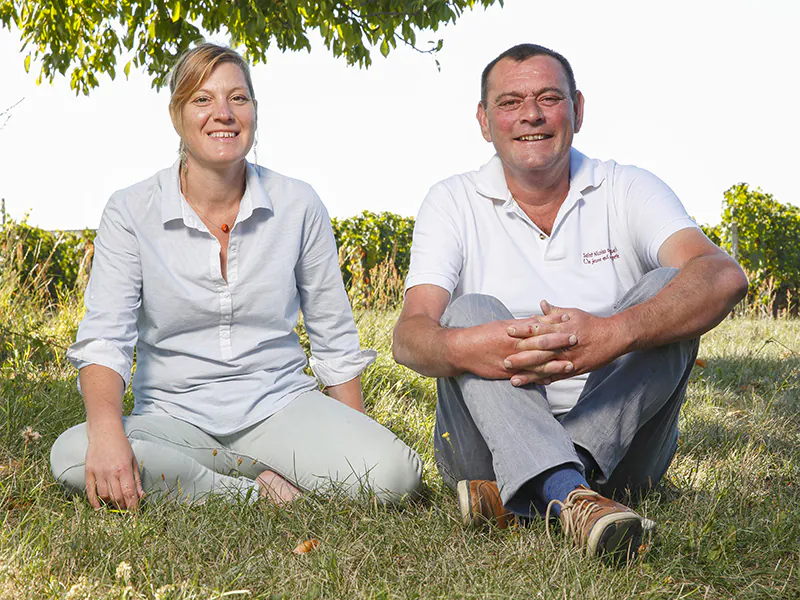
(728, 514)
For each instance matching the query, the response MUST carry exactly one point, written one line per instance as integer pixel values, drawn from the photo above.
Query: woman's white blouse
(220, 355)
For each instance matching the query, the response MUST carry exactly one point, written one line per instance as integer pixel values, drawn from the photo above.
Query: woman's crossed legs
(314, 443)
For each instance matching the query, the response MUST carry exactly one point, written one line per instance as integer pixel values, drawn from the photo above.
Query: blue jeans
(626, 418)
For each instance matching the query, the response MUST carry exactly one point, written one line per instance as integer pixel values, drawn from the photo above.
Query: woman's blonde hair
(193, 67)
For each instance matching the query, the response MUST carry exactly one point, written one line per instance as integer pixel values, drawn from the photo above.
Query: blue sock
(557, 483)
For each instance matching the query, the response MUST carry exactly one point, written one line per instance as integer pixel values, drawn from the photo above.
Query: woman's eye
(240, 99)
(202, 100)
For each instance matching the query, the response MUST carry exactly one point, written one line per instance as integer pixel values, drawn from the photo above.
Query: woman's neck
(213, 189)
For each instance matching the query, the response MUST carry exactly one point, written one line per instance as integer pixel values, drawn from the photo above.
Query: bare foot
(276, 488)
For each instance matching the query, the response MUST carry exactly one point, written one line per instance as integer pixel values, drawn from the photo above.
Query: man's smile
(536, 137)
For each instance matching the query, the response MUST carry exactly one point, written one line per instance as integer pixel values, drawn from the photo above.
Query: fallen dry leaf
(700, 363)
(306, 546)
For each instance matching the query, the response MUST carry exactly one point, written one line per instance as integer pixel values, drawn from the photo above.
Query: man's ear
(579, 100)
(483, 120)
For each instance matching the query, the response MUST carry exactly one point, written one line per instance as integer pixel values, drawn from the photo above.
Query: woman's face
(218, 122)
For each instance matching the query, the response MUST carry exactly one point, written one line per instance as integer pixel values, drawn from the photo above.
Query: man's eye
(512, 103)
(550, 100)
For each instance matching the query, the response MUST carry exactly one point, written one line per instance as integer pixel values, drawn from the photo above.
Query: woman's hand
(112, 473)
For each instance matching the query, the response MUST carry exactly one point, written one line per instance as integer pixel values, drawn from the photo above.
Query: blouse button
(542, 236)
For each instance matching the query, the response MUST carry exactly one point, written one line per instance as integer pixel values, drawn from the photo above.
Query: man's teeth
(533, 138)
(223, 134)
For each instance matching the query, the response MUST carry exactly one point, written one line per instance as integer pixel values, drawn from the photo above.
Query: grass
(728, 512)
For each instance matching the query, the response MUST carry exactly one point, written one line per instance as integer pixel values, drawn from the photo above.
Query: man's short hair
(522, 52)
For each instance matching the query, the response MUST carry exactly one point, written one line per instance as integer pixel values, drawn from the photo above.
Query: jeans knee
(394, 480)
(658, 278)
(67, 458)
(648, 286)
(474, 309)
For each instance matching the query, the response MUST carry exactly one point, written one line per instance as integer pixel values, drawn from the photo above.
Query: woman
(203, 268)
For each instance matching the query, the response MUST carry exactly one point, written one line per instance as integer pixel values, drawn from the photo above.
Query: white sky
(703, 94)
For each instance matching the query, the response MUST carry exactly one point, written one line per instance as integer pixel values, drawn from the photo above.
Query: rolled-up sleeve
(336, 356)
(108, 333)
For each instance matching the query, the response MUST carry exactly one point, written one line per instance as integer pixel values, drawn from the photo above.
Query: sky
(703, 94)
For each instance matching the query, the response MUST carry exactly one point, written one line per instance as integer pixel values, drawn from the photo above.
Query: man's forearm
(703, 292)
(423, 345)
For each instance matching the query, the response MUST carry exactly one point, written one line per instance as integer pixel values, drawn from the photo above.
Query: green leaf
(91, 36)
(127, 69)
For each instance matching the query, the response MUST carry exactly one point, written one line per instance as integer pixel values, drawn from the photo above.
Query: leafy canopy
(87, 37)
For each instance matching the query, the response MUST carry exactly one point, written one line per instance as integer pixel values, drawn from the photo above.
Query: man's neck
(540, 195)
(539, 188)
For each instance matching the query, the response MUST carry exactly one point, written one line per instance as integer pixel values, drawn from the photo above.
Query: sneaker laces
(576, 510)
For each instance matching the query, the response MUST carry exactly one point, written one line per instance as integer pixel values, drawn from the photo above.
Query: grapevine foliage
(373, 238)
(768, 242)
(50, 262)
(374, 251)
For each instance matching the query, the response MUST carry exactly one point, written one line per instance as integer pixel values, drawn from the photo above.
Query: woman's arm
(348, 393)
(103, 354)
(112, 473)
(336, 357)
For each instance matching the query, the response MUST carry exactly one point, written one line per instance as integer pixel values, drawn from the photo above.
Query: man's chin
(535, 163)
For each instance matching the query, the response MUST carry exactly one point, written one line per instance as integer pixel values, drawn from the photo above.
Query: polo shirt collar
(174, 206)
(584, 173)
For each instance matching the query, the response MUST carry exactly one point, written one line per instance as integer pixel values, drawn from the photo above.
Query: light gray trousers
(315, 442)
(626, 416)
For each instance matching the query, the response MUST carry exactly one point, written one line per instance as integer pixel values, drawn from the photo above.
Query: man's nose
(531, 111)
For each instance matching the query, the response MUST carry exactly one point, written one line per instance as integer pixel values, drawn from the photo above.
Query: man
(559, 301)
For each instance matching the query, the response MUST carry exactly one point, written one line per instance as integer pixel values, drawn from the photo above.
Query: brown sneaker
(480, 504)
(602, 526)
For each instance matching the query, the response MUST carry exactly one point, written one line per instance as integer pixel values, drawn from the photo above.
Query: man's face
(529, 115)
